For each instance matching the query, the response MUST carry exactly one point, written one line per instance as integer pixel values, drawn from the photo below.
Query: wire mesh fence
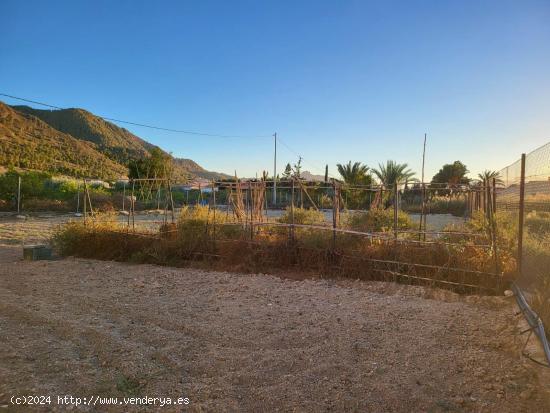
(525, 197)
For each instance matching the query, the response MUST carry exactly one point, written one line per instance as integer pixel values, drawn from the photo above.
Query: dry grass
(229, 246)
(540, 300)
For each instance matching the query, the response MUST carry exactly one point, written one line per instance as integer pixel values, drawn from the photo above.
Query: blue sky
(338, 81)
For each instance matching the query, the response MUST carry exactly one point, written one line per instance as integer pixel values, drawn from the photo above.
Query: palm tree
(392, 173)
(355, 174)
(487, 177)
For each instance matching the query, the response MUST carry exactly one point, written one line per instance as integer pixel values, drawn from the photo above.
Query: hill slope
(117, 143)
(105, 138)
(194, 169)
(28, 142)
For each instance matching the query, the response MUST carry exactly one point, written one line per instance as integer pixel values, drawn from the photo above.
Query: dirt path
(233, 342)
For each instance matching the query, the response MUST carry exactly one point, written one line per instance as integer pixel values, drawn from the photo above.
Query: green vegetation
(487, 176)
(195, 239)
(456, 205)
(156, 166)
(76, 143)
(451, 174)
(115, 142)
(42, 192)
(29, 143)
(355, 174)
(392, 173)
(376, 220)
(302, 216)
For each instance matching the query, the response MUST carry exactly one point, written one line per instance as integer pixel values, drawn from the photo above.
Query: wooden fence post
(521, 212)
(133, 205)
(18, 194)
(494, 195)
(84, 209)
(335, 212)
(395, 210)
(292, 213)
(251, 203)
(214, 214)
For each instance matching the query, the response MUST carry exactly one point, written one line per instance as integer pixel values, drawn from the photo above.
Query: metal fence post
(521, 212)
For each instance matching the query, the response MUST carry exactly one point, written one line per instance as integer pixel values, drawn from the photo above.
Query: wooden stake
(292, 213)
(395, 210)
(494, 195)
(335, 207)
(18, 195)
(84, 205)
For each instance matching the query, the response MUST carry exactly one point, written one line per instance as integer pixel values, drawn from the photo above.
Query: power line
(188, 132)
(300, 156)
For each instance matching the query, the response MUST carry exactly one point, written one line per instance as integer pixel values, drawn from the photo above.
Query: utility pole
(423, 157)
(423, 189)
(275, 171)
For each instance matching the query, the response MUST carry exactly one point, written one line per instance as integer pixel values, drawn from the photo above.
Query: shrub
(376, 220)
(538, 223)
(109, 241)
(197, 221)
(438, 205)
(302, 216)
(540, 299)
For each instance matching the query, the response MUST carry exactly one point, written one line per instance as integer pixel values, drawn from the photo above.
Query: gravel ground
(232, 342)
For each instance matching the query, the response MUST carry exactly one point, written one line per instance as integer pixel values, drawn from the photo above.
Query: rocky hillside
(76, 142)
(28, 142)
(194, 169)
(115, 142)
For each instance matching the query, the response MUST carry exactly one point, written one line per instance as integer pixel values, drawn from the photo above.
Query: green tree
(158, 165)
(287, 172)
(452, 174)
(487, 176)
(354, 174)
(297, 170)
(393, 172)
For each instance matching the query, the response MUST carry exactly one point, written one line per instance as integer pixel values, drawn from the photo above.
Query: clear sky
(337, 80)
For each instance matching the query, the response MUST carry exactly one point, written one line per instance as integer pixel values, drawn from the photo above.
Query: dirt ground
(233, 342)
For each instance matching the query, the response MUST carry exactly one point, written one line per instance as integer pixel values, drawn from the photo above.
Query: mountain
(117, 143)
(107, 143)
(308, 176)
(28, 142)
(194, 169)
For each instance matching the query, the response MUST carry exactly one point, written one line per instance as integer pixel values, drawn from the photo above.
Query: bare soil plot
(234, 342)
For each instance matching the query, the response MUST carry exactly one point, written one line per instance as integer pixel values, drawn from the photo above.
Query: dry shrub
(312, 251)
(538, 224)
(540, 300)
(376, 220)
(44, 204)
(438, 205)
(302, 216)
